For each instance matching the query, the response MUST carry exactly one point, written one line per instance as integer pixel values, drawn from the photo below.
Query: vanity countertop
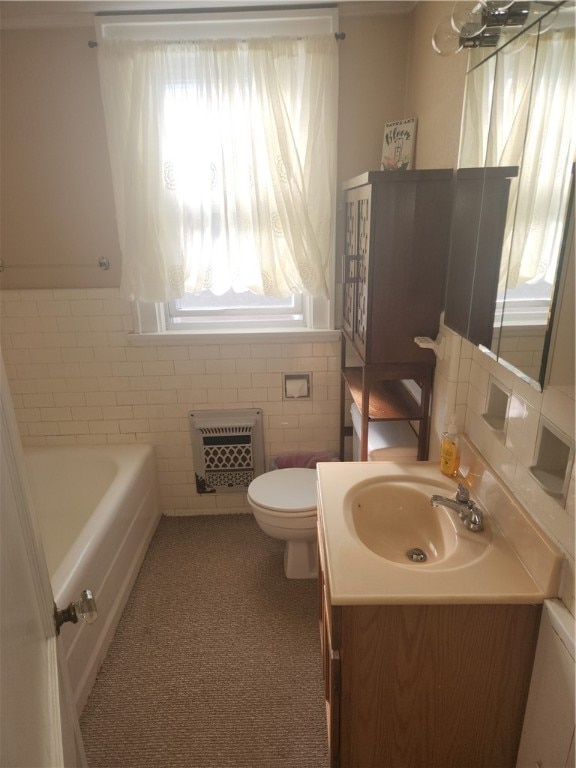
(517, 562)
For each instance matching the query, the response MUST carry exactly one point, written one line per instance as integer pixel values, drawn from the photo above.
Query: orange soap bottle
(450, 450)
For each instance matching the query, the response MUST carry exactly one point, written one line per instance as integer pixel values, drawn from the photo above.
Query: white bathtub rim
(92, 535)
(94, 529)
(108, 550)
(86, 682)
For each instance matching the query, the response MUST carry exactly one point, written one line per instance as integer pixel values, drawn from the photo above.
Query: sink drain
(417, 555)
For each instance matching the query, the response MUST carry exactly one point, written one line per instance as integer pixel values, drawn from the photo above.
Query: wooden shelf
(389, 400)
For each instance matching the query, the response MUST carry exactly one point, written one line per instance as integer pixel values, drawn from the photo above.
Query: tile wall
(75, 379)
(523, 350)
(461, 386)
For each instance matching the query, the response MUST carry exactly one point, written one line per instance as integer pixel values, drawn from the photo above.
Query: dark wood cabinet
(394, 269)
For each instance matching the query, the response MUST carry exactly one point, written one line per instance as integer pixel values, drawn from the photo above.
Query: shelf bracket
(438, 345)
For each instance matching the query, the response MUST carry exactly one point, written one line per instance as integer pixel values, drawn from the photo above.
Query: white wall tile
(92, 339)
(18, 308)
(169, 353)
(100, 398)
(87, 413)
(220, 366)
(513, 456)
(15, 356)
(251, 365)
(189, 367)
(112, 323)
(24, 415)
(228, 351)
(68, 351)
(45, 355)
(38, 401)
(558, 408)
(78, 355)
(204, 352)
(85, 307)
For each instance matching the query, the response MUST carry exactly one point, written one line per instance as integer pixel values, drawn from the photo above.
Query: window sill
(275, 336)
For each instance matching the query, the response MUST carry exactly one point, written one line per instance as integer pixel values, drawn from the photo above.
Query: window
(231, 309)
(525, 304)
(223, 161)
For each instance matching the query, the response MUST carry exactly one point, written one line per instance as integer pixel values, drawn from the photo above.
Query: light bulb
(544, 24)
(468, 19)
(445, 40)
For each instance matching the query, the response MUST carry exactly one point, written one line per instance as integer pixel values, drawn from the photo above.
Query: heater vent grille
(227, 448)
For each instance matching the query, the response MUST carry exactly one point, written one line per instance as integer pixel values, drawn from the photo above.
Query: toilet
(284, 505)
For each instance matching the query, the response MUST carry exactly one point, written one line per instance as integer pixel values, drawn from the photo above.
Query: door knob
(84, 609)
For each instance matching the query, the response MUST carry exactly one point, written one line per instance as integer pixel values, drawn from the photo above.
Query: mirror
(512, 194)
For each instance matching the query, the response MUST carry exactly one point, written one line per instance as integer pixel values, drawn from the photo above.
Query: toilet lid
(285, 490)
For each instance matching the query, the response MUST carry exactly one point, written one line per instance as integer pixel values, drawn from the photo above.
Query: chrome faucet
(472, 516)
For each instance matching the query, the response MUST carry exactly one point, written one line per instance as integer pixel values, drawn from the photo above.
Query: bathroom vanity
(428, 663)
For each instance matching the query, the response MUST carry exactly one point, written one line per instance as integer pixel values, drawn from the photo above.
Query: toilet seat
(285, 490)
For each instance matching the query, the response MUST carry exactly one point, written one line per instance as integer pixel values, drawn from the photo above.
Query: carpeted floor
(216, 660)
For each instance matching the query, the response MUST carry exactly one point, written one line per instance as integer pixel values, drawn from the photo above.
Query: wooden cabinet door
(477, 235)
(398, 226)
(356, 303)
(364, 298)
(333, 708)
(332, 677)
(349, 267)
(330, 639)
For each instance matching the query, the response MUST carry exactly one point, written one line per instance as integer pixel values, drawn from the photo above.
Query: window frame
(178, 319)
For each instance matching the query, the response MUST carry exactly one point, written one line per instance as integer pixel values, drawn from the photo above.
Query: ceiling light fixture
(478, 24)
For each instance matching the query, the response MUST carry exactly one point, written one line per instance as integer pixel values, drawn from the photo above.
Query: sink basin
(371, 514)
(398, 522)
(394, 519)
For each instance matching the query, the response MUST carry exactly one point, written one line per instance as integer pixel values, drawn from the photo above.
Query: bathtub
(97, 509)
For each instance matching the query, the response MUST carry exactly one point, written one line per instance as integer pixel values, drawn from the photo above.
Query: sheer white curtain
(223, 157)
(520, 111)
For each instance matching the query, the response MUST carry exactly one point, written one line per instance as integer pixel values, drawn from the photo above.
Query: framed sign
(398, 145)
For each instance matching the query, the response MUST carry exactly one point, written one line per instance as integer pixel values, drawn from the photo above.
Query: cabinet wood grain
(440, 686)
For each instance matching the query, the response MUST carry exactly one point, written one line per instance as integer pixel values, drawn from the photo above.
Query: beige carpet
(216, 660)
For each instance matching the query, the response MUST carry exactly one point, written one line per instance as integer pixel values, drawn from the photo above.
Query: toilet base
(301, 559)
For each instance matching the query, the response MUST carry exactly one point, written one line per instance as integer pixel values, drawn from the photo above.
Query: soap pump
(450, 449)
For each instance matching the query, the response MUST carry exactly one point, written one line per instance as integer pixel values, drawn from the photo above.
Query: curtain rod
(337, 35)
(241, 9)
(102, 263)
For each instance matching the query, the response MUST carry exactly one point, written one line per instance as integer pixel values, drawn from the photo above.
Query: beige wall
(56, 197)
(56, 194)
(435, 91)
(373, 69)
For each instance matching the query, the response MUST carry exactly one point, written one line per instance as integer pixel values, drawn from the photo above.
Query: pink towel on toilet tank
(305, 460)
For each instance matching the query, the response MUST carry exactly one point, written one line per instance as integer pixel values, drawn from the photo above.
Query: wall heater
(227, 448)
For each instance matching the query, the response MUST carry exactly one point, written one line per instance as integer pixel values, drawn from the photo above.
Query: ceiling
(23, 14)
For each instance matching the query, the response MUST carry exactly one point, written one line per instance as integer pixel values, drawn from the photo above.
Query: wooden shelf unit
(397, 234)
(380, 395)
